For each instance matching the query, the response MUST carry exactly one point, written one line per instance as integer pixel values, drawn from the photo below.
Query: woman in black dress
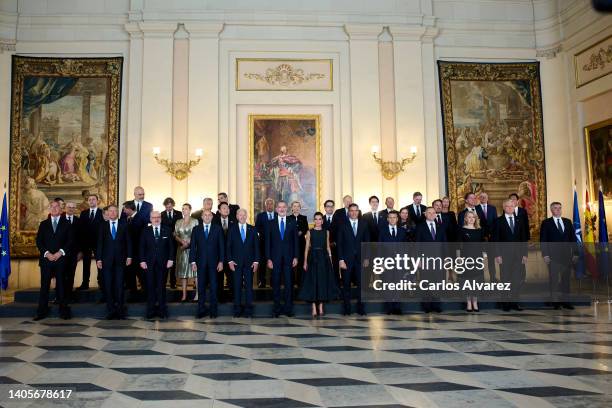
(471, 234)
(452, 228)
(319, 283)
(406, 223)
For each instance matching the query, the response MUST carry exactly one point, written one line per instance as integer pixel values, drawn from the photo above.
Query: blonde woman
(471, 235)
(182, 235)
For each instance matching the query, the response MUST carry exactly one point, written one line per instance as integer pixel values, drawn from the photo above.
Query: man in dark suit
(349, 238)
(416, 210)
(261, 221)
(390, 204)
(429, 232)
(143, 209)
(471, 205)
(74, 252)
(389, 231)
(282, 253)
(373, 218)
(133, 272)
(169, 217)
(521, 214)
(490, 214)
(328, 216)
(557, 237)
(511, 252)
(301, 222)
(157, 253)
(443, 220)
(225, 277)
(243, 259)
(206, 256)
(53, 240)
(341, 215)
(113, 254)
(233, 208)
(89, 224)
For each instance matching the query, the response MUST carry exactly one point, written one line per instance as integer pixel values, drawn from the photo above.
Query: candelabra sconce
(179, 170)
(390, 169)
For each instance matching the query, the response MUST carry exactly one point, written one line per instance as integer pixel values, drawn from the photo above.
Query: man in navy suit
(390, 232)
(373, 218)
(233, 208)
(520, 213)
(89, 224)
(511, 252)
(341, 215)
(113, 254)
(443, 220)
(416, 210)
(143, 209)
(53, 240)
(169, 218)
(490, 214)
(261, 221)
(430, 232)
(471, 205)
(389, 204)
(555, 231)
(328, 216)
(157, 253)
(243, 260)
(74, 253)
(350, 235)
(206, 256)
(282, 248)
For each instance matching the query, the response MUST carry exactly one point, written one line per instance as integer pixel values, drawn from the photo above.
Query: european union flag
(5, 256)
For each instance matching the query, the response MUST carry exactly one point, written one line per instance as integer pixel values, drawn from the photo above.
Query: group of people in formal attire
(136, 248)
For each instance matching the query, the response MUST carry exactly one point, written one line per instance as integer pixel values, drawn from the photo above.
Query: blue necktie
(242, 233)
(282, 228)
(113, 230)
(354, 228)
(270, 217)
(206, 232)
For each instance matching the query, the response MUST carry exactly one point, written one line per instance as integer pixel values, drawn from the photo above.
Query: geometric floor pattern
(536, 358)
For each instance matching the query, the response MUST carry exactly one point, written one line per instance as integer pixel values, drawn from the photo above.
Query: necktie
(512, 224)
(138, 207)
(156, 232)
(433, 230)
(282, 228)
(354, 228)
(418, 210)
(225, 223)
(206, 231)
(484, 210)
(559, 226)
(328, 219)
(70, 219)
(113, 230)
(375, 218)
(92, 214)
(393, 232)
(169, 215)
(270, 216)
(439, 218)
(54, 225)
(242, 233)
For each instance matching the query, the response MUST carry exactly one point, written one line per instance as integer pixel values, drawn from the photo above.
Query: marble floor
(535, 358)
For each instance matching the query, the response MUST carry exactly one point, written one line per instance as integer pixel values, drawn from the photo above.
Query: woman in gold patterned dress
(182, 234)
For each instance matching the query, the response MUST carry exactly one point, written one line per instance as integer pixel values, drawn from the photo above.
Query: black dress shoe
(66, 314)
(39, 317)
(109, 316)
(276, 315)
(150, 315)
(516, 307)
(163, 315)
(83, 287)
(261, 285)
(201, 315)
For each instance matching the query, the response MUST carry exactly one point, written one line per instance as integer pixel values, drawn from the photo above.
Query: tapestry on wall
(493, 137)
(285, 161)
(64, 138)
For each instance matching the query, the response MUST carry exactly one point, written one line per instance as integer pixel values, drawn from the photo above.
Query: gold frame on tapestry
(576, 64)
(482, 71)
(23, 243)
(331, 74)
(593, 189)
(318, 175)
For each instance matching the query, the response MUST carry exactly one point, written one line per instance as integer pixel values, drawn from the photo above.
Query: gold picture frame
(276, 71)
(597, 152)
(65, 115)
(493, 134)
(313, 162)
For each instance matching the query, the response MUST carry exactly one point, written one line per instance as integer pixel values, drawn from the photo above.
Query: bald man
(143, 209)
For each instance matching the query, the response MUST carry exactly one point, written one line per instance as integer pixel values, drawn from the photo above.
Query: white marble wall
(179, 93)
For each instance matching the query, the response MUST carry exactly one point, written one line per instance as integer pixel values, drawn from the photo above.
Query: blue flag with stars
(5, 257)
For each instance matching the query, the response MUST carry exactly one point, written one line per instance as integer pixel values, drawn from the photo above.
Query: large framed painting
(285, 161)
(64, 138)
(598, 142)
(493, 137)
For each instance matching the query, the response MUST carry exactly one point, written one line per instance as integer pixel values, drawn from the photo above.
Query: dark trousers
(559, 280)
(47, 270)
(156, 288)
(243, 275)
(207, 275)
(113, 273)
(512, 270)
(87, 257)
(491, 265)
(171, 272)
(71, 264)
(351, 274)
(261, 271)
(225, 275)
(282, 269)
(134, 274)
